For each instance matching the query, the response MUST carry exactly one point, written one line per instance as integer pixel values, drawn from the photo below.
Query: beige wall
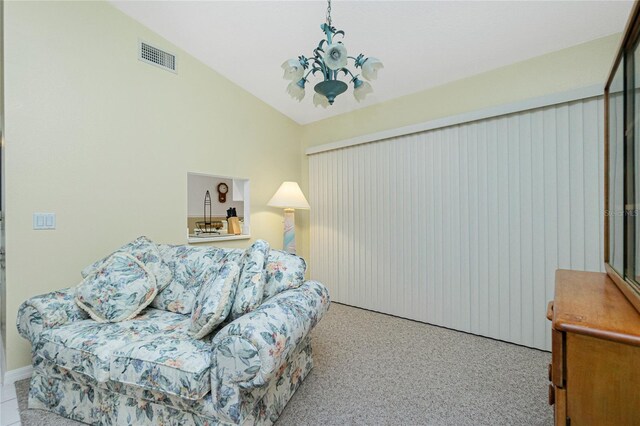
(579, 66)
(105, 141)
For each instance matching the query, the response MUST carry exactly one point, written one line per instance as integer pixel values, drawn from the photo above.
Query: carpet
(375, 369)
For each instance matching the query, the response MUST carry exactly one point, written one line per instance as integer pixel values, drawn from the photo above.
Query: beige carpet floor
(375, 369)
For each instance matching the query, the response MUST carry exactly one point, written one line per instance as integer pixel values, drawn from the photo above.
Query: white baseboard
(13, 376)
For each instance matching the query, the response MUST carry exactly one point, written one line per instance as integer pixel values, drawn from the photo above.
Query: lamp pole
(289, 242)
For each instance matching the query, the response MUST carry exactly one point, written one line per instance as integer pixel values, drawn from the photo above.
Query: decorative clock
(223, 188)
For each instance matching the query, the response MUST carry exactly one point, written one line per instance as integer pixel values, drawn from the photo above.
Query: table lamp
(290, 197)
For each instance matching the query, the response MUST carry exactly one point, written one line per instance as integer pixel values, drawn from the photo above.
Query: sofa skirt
(78, 397)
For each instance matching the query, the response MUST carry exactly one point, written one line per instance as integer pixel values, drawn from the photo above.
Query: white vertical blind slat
(473, 274)
(538, 273)
(493, 226)
(503, 228)
(576, 162)
(563, 182)
(526, 230)
(515, 229)
(483, 255)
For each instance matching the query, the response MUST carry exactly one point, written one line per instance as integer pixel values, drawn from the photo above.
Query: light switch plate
(44, 221)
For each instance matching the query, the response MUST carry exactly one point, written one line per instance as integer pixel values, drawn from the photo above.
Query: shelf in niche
(223, 237)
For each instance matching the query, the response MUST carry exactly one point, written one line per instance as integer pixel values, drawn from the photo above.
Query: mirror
(622, 153)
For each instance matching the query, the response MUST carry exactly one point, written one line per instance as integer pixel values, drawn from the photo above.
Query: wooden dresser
(595, 369)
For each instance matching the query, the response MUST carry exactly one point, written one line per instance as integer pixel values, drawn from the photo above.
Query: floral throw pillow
(283, 272)
(191, 267)
(146, 252)
(214, 300)
(252, 278)
(117, 290)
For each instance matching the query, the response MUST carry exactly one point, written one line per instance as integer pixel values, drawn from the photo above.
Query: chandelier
(329, 60)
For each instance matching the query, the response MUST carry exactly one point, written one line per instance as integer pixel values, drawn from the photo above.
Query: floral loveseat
(150, 369)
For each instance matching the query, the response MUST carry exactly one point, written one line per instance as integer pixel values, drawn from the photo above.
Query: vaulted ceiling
(422, 43)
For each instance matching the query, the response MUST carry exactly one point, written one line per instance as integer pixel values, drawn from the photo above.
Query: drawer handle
(550, 311)
(549, 369)
(552, 395)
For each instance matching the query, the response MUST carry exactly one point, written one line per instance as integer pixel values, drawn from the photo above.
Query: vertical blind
(464, 226)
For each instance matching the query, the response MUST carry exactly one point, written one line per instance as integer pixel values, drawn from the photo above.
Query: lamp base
(289, 241)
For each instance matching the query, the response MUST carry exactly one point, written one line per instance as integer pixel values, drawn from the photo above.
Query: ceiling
(422, 43)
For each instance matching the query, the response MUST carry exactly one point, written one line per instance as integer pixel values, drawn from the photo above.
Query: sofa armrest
(48, 311)
(249, 351)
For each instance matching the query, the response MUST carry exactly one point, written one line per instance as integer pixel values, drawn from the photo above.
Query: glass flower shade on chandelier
(330, 61)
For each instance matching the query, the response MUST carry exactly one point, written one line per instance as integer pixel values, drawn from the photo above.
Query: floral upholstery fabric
(219, 255)
(176, 364)
(47, 311)
(86, 346)
(68, 395)
(214, 300)
(191, 267)
(248, 352)
(146, 252)
(117, 290)
(284, 271)
(252, 279)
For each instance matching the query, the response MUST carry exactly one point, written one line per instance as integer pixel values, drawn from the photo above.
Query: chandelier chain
(329, 12)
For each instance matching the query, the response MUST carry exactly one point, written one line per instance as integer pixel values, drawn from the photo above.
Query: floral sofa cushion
(117, 290)
(86, 346)
(146, 252)
(252, 279)
(214, 300)
(283, 272)
(191, 267)
(175, 364)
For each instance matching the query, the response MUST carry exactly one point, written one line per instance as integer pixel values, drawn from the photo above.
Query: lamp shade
(289, 196)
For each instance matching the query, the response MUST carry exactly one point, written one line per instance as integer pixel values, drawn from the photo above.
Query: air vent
(154, 56)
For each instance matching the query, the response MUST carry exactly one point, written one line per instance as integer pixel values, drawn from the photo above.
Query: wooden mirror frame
(632, 31)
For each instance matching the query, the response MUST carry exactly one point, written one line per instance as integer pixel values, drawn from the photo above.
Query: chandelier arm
(347, 71)
(325, 71)
(320, 64)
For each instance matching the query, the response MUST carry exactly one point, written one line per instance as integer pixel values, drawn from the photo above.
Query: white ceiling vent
(154, 56)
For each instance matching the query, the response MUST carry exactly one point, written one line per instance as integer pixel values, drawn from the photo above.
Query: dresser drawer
(560, 406)
(558, 346)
